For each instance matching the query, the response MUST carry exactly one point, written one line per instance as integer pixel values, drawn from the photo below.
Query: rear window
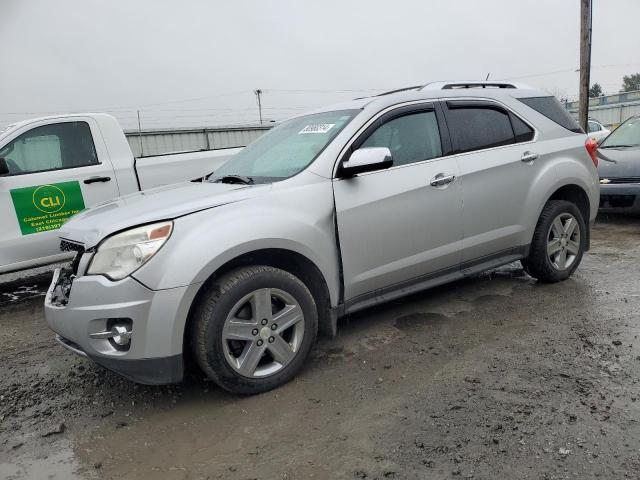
(551, 108)
(478, 128)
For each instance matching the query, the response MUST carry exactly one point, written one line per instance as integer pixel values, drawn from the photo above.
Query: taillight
(592, 148)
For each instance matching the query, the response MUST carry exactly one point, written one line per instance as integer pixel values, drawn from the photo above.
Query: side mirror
(366, 160)
(4, 168)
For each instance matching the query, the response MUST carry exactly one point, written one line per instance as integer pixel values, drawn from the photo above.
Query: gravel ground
(492, 377)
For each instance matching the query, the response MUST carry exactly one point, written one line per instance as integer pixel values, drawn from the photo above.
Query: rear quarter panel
(572, 166)
(572, 163)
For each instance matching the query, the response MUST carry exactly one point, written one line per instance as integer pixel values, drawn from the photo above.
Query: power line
(169, 102)
(571, 70)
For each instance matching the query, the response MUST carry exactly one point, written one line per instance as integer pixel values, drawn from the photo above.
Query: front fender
(203, 242)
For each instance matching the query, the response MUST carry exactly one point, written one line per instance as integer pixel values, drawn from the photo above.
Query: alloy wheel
(263, 332)
(563, 242)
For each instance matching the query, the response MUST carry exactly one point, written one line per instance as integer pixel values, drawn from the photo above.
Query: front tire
(254, 328)
(558, 242)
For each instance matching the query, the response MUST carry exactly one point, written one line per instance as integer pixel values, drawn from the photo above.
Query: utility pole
(140, 135)
(258, 93)
(586, 15)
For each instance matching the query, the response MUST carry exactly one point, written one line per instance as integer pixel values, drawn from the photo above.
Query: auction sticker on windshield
(46, 207)
(318, 128)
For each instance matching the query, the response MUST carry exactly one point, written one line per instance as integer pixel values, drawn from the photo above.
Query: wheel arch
(577, 195)
(288, 260)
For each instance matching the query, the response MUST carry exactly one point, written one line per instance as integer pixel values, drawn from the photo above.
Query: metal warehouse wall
(611, 110)
(157, 142)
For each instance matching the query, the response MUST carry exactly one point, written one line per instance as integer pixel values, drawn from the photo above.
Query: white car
(52, 168)
(597, 131)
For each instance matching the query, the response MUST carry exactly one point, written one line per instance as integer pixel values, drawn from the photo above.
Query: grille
(69, 246)
(617, 201)
(619, 180)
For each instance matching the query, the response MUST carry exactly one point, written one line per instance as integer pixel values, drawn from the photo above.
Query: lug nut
(254, 331)
(271, 339)
(264, 321)
(274, 326)
(260, 342)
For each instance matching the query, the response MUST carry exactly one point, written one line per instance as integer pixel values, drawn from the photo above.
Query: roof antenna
(487, 76)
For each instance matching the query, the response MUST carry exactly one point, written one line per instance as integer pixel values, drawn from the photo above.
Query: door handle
(96, 179)
(442, 179)
(528, 157)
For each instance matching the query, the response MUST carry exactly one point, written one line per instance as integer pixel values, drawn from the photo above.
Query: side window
(551, 108)
(411, 138)
(521, 130)
(51, 147)
(476, 128)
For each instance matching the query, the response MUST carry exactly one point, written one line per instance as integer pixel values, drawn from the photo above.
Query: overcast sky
(184, 63)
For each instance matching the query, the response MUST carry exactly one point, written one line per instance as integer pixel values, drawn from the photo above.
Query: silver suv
(328, 213)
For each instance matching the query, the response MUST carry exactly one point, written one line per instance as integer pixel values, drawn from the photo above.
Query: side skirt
(423, 282)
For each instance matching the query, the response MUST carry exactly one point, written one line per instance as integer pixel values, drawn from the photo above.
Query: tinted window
(51, 147)
(553, 110)
(593, 127)
(522, 131)
(476, 128)
(411, 138)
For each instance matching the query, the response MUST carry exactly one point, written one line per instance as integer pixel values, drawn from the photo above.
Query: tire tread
(537, 263)
(204, 312)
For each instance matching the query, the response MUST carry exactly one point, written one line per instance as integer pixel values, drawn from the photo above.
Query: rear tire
(558, 242)
(253, 329)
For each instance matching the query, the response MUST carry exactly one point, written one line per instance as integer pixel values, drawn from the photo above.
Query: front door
(55, 170)
(398, 226)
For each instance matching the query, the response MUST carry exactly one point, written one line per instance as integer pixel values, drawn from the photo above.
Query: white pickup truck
(51, 168)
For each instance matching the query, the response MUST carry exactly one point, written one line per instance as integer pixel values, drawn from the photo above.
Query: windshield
(287, 149)
(626, 135)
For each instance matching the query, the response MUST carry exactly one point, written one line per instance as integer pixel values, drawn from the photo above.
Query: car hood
(90, 226)
(619, 162)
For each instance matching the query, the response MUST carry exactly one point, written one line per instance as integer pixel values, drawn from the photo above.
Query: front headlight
(125, 252)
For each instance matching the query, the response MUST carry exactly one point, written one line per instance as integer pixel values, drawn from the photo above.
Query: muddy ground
(492, 377)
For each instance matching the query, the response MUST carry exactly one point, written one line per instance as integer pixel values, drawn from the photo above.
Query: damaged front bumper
(88, 312)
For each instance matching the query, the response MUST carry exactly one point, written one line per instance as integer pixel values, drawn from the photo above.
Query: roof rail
(397, 90)
(471, 84)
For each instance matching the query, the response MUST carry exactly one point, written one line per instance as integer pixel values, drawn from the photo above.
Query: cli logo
(48, 198)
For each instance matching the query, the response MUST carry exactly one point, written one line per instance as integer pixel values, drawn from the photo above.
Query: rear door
(395, 227)
(56, 169)
(498, 163)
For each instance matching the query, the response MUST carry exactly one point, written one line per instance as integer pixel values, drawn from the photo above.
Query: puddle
(420, 320)
(488, 299)
(58, 465)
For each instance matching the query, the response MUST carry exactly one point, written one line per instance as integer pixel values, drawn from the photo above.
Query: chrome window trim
(390, 108)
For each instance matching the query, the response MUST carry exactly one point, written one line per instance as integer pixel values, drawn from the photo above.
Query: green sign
(46, 207)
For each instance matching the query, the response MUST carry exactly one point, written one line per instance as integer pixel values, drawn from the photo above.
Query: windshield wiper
(619, 146)
(234, 179)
